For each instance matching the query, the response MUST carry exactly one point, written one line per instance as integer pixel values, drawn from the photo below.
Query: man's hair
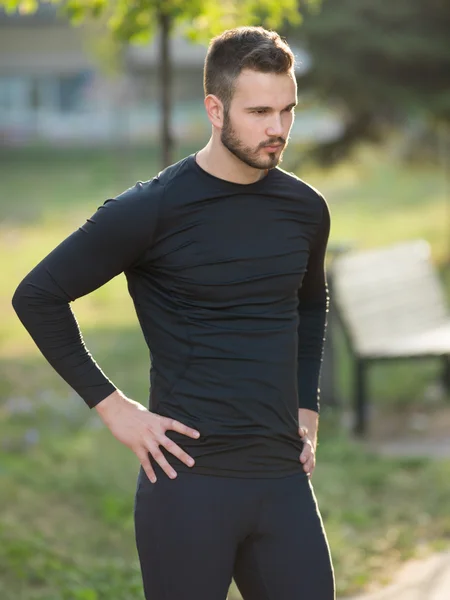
(241, 48)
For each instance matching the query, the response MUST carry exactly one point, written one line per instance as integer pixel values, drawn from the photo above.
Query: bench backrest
(387, 293)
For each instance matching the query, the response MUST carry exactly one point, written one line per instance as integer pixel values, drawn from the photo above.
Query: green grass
(67, 487)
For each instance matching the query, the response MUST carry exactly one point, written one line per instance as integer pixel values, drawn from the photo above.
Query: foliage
(137, 20)
(377, 63)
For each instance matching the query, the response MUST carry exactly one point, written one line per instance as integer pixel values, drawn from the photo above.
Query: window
(58, 93)
(70, 92)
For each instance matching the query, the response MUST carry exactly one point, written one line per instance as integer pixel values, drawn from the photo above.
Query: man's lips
(274, 147)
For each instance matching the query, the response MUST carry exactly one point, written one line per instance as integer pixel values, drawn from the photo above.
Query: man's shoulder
(296, 185)
(148, 193)
(156, 184)
(174, 172)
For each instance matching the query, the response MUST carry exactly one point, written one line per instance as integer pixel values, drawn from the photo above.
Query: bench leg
(360, 397)
(446, 372)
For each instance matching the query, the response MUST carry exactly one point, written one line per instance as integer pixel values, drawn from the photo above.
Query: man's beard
(248, 155)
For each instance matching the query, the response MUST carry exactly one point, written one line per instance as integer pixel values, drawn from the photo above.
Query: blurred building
(53, 87)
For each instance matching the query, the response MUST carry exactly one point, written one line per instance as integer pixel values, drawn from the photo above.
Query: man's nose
(275, 128)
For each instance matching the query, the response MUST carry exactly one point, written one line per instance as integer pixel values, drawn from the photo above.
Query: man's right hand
(143, 432)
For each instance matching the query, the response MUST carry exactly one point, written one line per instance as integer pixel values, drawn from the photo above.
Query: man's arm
(313, 308)
(109, 242)
(309, 420)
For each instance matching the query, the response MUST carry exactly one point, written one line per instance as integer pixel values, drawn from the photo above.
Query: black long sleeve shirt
(229, 286)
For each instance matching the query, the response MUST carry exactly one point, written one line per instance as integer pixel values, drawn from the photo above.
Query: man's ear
(214, 110)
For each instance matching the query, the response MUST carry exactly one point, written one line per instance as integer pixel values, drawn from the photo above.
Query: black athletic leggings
(195, 532)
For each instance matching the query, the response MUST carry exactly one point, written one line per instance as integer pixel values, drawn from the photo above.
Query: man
(224, 258)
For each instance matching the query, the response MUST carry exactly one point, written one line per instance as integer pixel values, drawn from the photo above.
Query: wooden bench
(391, 305)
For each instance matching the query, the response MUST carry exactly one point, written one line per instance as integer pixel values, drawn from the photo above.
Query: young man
(224, 258)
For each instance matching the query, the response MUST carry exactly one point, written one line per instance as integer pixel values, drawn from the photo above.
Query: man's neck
(221, 163)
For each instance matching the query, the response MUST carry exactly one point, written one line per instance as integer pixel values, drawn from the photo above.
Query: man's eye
(260, 112)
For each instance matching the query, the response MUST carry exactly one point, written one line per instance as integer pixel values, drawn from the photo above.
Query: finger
(306, 453)
(174, 449)
(184, 429)
(303, 431)
(309, 466)
(162, 462)
(310, 471)
(147, 466)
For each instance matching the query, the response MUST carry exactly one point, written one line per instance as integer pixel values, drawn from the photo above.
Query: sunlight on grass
(375, 202)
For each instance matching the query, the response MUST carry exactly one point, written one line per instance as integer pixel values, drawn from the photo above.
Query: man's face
(256, 127)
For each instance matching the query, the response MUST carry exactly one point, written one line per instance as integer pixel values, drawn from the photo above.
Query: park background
(84, 115)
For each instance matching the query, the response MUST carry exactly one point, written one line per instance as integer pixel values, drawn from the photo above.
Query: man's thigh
(185, 537)
(287, 557)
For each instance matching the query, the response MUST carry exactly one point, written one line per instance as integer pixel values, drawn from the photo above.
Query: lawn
(66, 486)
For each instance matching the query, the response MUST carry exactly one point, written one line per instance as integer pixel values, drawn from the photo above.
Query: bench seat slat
(392, 301)
(434, 342)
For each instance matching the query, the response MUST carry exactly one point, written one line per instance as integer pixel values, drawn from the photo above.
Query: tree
(135, 21)
(376, 62)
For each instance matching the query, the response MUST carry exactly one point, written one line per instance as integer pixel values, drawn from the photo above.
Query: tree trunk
(165, 81)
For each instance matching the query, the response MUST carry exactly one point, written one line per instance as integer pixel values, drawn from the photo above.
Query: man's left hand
(308, 455)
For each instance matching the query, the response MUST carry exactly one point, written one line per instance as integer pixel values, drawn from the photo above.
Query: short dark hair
(243, 48)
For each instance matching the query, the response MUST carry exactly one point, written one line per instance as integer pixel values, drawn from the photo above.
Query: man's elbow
(26, 297)
(19, 301)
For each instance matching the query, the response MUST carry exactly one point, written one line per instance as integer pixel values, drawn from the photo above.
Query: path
(419, 579)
